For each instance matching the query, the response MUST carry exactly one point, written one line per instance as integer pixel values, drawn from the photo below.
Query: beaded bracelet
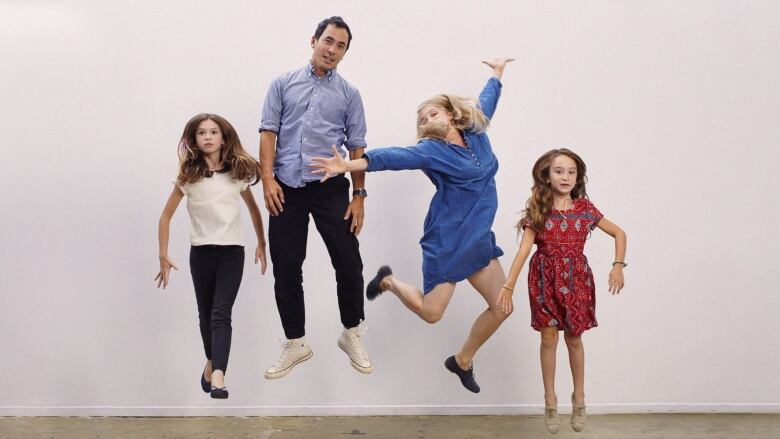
(621, 263)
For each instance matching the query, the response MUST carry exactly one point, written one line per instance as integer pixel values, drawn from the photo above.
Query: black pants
(326, 202)
(216, 273)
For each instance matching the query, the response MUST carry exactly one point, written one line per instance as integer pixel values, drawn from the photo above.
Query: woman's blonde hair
(539, 205)
(465, 116)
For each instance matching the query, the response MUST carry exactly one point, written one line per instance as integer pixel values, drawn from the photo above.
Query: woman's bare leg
(430, 307)
(487, 282)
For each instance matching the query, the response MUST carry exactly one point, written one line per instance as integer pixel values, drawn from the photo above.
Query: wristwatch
(359, 193)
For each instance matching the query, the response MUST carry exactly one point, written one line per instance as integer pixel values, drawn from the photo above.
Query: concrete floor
(655, 426)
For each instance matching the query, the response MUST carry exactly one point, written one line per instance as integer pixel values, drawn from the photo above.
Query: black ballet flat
(372, 289)
(466, 376)
(219, 392)
(205, 385)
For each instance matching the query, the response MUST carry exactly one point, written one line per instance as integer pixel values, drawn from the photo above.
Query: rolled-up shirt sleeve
(396, 158)
(488, 99)
(355, 122)
(272, 108)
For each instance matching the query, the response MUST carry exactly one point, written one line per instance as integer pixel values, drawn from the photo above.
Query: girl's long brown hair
(539, 205)
(192, 166)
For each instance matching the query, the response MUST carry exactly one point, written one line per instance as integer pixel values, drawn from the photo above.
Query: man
(305, 112)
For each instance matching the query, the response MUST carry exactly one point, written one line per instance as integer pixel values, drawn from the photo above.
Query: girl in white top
(214, 172)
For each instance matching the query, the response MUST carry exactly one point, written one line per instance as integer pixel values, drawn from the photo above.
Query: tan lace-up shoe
(578, 416)
(551, 420)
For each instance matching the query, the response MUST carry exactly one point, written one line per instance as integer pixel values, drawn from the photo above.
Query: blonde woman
(455, 153)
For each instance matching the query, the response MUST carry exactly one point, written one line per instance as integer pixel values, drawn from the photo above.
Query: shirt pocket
(333, 108)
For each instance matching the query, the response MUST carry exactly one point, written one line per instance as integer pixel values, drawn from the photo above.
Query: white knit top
(214, 207)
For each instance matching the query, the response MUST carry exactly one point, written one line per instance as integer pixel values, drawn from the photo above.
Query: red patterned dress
(560, 283)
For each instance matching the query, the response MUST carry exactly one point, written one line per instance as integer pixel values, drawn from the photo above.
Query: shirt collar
(310, 72)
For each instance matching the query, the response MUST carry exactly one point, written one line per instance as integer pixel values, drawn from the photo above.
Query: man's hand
(356, 211)
(273, 195)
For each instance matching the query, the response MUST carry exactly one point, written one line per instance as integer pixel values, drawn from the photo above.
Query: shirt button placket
(314, 102)
(309, 117)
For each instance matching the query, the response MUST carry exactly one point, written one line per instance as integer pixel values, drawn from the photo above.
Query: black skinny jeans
(326, 202)
(216, 274)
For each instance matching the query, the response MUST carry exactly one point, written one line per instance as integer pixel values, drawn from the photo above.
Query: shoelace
(287, 346)
(362, 328)
(579, 411)
(549, 413)
(470, 370)
(354, 340)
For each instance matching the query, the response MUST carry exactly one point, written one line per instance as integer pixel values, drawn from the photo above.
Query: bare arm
(272, 192)
(257, 222)
(616, 281)
(163, 233)
(526, 244)
(355, 210)
(507, 290)
(358, 176)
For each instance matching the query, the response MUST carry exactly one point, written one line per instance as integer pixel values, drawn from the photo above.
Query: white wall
(673, 106)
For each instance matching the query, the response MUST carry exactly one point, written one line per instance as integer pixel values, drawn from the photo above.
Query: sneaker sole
(357, 367)
(282, 373)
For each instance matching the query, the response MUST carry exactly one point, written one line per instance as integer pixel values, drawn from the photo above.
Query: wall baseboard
(380, 410)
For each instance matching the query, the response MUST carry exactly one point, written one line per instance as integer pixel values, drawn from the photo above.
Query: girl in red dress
(558, 219)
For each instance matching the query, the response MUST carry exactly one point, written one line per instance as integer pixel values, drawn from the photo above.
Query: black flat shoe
(219, 392)
(372, 290)
(205, 385)
(466, 376)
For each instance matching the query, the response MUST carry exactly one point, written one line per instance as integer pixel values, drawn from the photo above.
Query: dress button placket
(471, 151)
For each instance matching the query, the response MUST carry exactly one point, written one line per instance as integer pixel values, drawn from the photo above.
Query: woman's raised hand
(329, 167)
(497, 63)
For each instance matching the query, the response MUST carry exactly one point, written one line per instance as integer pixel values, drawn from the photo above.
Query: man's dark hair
(335, 21)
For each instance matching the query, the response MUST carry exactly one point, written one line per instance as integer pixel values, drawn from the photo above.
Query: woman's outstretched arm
(392, 158)
(488, 98)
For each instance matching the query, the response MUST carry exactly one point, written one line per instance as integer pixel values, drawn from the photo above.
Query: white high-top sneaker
(350, 343)
(293, 352)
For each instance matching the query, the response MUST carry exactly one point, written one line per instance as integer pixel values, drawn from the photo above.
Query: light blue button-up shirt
(309, 114)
